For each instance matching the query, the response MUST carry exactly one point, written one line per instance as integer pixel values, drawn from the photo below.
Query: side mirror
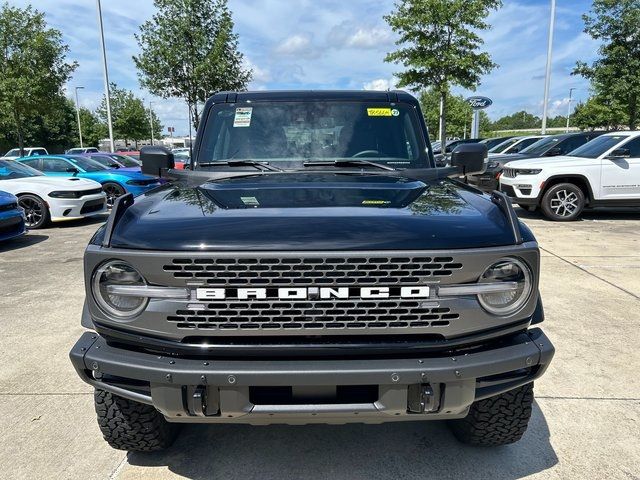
(73, 170)
(619, 153)
(156, 159)
(470, 158)
(554, 152)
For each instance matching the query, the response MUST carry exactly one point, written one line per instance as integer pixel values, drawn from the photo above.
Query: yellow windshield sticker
(379, 112)
(376, 202)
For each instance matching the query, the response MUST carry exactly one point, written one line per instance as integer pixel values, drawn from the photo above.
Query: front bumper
(222, 391)
(12, 224)
(487, 181)
(74, 208)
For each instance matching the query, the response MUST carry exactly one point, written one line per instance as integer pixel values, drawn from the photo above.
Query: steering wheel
(366, 153)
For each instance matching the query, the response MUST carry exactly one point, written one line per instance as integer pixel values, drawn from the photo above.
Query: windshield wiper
(242, 163)
(346, 163)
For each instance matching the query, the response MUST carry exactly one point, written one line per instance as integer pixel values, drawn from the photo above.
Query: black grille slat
(336, 314)
(372, 271)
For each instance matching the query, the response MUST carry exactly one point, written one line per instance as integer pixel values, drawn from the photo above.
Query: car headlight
(506, 301)
(528, 171)
(493, 165)
(63, 194)
(118, 273)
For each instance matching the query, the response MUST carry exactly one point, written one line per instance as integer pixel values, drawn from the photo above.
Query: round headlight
(117, 273)
(512, 299)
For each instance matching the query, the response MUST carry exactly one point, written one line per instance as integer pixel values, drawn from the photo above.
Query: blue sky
(333, 44)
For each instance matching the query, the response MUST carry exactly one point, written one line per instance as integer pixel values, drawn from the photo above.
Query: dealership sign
(478, 103)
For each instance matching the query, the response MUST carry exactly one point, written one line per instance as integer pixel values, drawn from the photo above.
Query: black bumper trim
(94, 359)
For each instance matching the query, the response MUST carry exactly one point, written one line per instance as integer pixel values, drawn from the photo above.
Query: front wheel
(36, 212)
(563, 202)
(113, 191)
(132, 426)
(498, 420)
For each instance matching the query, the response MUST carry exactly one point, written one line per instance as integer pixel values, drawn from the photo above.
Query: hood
(7, 198)
(312, 211)
(60, 183)
(559, 161)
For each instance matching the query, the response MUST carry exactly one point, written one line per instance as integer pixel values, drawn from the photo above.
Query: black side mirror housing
(470, 158)
(620, 153)
(72, 170)
(155, 159)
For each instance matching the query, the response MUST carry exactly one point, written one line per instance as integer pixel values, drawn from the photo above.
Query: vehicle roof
(283, 95)
(627, 133)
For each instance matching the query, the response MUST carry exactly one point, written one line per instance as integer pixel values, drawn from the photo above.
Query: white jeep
(603, 172)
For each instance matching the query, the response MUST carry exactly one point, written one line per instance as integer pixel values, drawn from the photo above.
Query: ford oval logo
(478, 103)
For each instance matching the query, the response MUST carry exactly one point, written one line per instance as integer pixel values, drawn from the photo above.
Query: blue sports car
(115, 182)
(11, 217)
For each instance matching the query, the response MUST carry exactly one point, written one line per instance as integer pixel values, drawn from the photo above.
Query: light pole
(151, 120)
(569, 108)
(106, 76)
(78, 114)
(547, 80)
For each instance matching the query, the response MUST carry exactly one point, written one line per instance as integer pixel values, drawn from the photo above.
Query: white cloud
(298, 44)
(352, 34)
(380, 84)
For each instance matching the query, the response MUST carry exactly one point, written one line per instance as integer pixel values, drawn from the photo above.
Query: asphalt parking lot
(586, 421)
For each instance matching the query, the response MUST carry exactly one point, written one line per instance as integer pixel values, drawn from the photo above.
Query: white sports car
(54, 199)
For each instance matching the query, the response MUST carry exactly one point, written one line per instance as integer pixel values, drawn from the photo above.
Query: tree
(93, 130)
(459, 114)
(33, 67)
(189, 51)
(129, 116)
(614, 76)
(597, 113)
(440, 46)
(521, 120)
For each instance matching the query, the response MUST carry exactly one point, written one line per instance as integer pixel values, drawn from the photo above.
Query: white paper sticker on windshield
(243, 117)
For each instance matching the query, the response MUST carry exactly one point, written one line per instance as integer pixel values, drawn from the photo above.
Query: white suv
(602, 172)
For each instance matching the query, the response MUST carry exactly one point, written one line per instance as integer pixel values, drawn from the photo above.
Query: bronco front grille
(384, 314)
(317, 271)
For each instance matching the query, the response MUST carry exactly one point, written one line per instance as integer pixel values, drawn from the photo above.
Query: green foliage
(459, 114)
(439, 44)
(93, 130)
(517, 121)
(33, 70)
(614, 76)
(129, 116)
(599, 113)
(189, 51)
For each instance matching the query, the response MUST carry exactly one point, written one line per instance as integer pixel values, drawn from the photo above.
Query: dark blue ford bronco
(312, 266)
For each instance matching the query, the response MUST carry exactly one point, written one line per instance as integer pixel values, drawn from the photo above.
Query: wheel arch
(580, 181)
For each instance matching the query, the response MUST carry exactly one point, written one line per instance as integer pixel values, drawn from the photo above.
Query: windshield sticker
(243, 117)
(395, 112)
(379, 112)
(250, 201)
(376, 202)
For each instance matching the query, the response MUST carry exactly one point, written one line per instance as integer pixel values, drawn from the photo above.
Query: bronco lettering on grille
(305, 293)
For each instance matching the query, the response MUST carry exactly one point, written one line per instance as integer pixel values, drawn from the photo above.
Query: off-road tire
(498, 420)
(132, 426)
(554, 194)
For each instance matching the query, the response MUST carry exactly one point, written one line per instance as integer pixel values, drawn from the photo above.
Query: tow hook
(423, 398)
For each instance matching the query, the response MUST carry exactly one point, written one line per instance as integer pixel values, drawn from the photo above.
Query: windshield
(10, 169)
(305, 130)
(87, 164)
(13, 153)
(597, 146)
(502, 146)
(541, 146)
(124, 160)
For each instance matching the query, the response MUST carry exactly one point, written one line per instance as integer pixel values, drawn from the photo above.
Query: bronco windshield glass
(299, 131)
(9, 170)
